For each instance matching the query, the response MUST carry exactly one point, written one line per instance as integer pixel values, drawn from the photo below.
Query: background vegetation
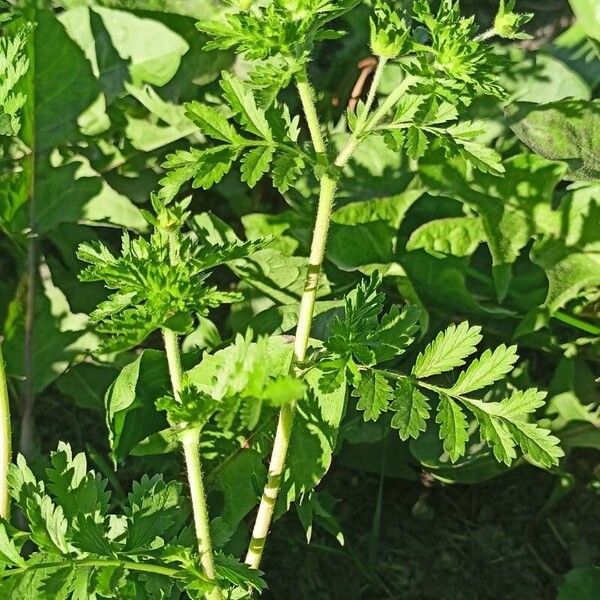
(519, 256)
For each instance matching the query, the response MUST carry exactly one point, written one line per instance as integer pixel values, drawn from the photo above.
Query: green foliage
(274, 137)
(80, 547)
(13, 66)
(159, 281)
(503, 425)
(437, 198)
(508, 23)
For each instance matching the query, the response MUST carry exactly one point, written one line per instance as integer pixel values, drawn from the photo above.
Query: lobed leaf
(453, 427)
(411, 410)
(448, 350)
(374, 394)
(486, 370)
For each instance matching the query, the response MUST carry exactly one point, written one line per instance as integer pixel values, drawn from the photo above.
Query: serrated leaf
(453, 427)
(486, 370)
(286, 170)
(411, 410)
(495, 433)
(448, 350)
(255, 164)
(212, 165)
(232, 571)
(241, 100)
(154, 506)
(9, 553)
(78, 491)
(211, 122)
(416, 143)
(521, 403)
(374, 393)
(536, 441)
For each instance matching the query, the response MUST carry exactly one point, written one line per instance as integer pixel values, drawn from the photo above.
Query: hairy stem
(143, 567)
(5, 441)
(486, 35)
(191, 451)
(362, 119)
(328, 186)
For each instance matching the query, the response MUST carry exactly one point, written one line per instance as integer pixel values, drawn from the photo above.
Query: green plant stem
(191, 450)
(486, 35)
(328, 186)
(362, 119)
(390, 102)
(5, 440)
(92, 562)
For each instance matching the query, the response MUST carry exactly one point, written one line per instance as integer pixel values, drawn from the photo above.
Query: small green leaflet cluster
(279, 34)
(446, 67)
(508, 23)
(83, 552)
(160, 281)
(450, 57)
(356, 344)
(243, 383)
(269, 140)
(13, 66)
(363, 337)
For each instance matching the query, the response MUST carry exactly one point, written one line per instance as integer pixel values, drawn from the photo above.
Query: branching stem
(191, 451)
(5, 440)
(328, 186)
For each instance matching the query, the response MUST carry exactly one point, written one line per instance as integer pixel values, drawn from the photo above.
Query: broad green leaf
(374, 394)
(313, 439)
(453, 427)
(513, 208)
(570, 255)
(411, 409)
(486, 370)
(59, 336)
(150, 50)
(255, 164)
(588, 17)
(581, 583)
(448, 350)
(553, 81)
(457, 236)
(130, 412)
(167, 122)
(566, 131)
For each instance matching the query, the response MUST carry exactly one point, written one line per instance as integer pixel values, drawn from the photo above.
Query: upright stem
(285, 424)
(5, 441)
(191, 451)
(360, 123)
